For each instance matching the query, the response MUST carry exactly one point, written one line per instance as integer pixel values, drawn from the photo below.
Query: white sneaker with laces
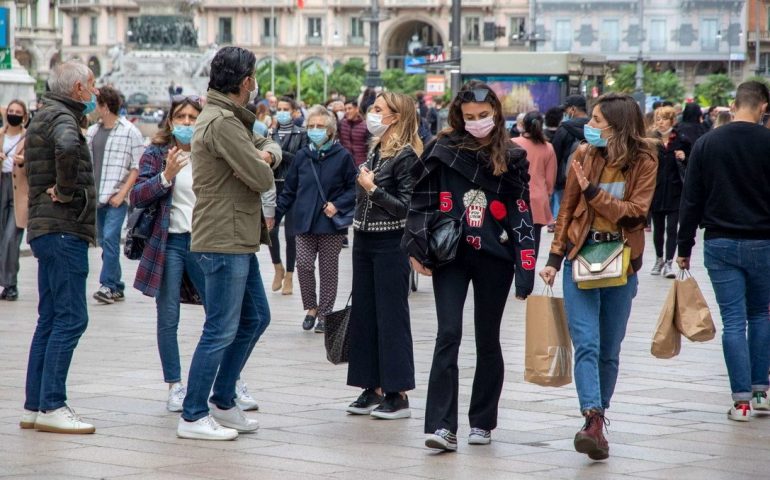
(176, 396)
(205, 428)
(668, 270)
(234, 418)
(62, 420)
(243, 399)
(740, 412)
(28, 418)
(479, 436)
(759, 402)
(657, 267)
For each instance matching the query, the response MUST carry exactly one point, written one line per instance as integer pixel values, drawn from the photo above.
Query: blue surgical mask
(318, 136)
(284, 118)
(566, 117)
(259, 128)
(90, 105)
(594, 136)
(183, 133)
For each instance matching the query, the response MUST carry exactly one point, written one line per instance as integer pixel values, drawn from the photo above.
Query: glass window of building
(314, 33)
(92, 36)
(517, 32)
(356, 31)
(225, 34)
(75, 37)
(472, 30)
(562, 39)
(709, 32)
(658, 38)
(610, 35)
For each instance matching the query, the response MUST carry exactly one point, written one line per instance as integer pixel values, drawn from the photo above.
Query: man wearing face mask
(116, 147)
(227, 229)
(565, 141)
(62, 217)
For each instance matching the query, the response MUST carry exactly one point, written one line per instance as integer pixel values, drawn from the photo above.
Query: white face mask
(374, 124)
(253, 93)
(340, 116)
(480, 128)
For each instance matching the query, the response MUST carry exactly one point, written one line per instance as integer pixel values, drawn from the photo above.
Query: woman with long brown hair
(475, 180)
(608, 194)
(381, 358)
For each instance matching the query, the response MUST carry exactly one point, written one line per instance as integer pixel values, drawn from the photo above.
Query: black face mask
(15, 120)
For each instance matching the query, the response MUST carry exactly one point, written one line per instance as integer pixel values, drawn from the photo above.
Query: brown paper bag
(667, 341)
(693, 317)
(548, 348)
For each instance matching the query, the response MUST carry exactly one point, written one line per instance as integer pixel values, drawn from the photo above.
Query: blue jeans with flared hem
(237, 313)
(738, 272)
(109, 223)
(597, 321)
(62, 269)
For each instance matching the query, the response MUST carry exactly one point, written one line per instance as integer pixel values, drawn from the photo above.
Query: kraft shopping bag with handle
(548, 348)
(693, 317)
(667, 341)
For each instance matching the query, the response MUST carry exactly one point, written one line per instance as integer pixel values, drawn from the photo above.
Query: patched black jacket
(386, 208)
(57, 155)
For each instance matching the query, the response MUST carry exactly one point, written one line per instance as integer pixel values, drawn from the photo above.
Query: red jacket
(354, 136)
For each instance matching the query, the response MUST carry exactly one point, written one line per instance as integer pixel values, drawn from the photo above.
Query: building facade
(38, 35)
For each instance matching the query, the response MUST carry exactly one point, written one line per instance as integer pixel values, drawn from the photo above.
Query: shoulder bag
(444, 236)
(602, 265)
(341, 220)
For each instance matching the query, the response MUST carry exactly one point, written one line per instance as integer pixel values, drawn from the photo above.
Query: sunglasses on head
(478, 95)
(182, 98)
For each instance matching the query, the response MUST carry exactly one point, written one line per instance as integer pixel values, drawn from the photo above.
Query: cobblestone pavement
(668, 416)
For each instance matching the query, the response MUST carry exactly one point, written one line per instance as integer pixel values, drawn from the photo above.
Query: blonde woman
(381, 359)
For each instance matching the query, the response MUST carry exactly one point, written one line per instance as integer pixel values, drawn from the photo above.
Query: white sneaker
(176, 396)
(205, 428)
(668, 270)
(479, 436)
(740, 412)
(234, 418)
(657, 267)
(759, 402)
(62, 420)
(28, 418)
(243, 399)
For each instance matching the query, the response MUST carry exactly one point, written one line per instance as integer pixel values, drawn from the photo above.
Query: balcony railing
(314, 40)
(355, 41)
(764, 36)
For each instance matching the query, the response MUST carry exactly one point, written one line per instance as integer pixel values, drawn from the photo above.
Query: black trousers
(665, 223)
(288, 232)
(538, 230)
(492, 281)
(380, 332)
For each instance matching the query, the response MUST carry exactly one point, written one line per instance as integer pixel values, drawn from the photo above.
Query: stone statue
(116, 56)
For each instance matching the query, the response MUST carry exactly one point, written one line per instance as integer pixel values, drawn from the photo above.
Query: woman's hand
(420, 268)
(174, 164)
(366, 179)
(679, 154)
(548, 274)
(18, 160)
(270, 223)
(581, 177)
(330, 210)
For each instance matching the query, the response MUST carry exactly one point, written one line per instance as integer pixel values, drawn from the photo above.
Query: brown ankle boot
(288, 286)
(590, 440)
(278, 278)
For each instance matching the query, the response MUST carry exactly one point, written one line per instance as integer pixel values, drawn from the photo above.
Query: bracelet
(371, 190)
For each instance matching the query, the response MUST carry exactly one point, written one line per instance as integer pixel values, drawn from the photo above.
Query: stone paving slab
(668, 416)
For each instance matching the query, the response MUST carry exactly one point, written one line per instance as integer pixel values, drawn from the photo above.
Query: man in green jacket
(229, 174)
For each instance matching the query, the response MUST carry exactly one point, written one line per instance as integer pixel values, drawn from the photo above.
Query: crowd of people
(463, 204)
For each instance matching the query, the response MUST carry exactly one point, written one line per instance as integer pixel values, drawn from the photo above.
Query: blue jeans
(178, 260)
(556, 202)
(738, 271)
(109, 222)
(237, 314)
(597, 324)
(62, 268)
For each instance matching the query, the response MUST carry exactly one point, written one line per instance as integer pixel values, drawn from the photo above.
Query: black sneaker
(308, 323)
(365, 403)
(442, 439)
(118, 296)
(104, 295)
(10, 293)
(395, 406)
(320, 327)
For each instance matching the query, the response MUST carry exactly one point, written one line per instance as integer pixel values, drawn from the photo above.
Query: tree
(715, 91)
(625, 79)
(667, 86)
(397, 80)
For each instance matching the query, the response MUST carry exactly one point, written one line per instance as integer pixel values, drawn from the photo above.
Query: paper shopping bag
(548, 349)
(667, 341)
(693, 317)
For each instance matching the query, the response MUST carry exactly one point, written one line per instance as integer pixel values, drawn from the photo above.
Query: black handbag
(187, 291)
(336, 337)
(139, 227)
(341, 220)
(444, 236)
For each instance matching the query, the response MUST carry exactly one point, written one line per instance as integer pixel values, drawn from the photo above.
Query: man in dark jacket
(354, 135)
(565, 141)
(62, 222)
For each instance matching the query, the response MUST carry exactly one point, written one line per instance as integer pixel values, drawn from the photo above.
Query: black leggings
(288, 230)
(665, 223)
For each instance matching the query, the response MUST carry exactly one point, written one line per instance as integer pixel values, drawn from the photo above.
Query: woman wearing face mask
(322, 161)
(673, 150)
(381, 359)
(472, 173)
(292, 139)
(165, 180)
(13, 196)
(607, 196)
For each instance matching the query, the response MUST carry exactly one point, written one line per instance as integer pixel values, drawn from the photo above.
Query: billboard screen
(4, 40)
(525, 93)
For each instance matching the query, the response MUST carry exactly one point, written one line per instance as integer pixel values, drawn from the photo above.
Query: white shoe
(62, 420)
(479, 436)
(657, 267)
(234, 418)
(28, 418)
(668, 270)
(176, 396)
(759, 402)
(205, 428)
(740, 412)
(243, 399)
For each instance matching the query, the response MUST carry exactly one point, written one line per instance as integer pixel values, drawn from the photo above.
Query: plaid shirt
(124, 148)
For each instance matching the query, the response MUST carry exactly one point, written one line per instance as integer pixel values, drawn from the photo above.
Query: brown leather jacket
(578, 209)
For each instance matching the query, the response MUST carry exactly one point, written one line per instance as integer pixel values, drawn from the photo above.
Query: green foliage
(666, 85)
(625, 79)
(716, 90)
(396, 80)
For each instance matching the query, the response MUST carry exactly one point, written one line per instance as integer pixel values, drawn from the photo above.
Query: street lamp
(327, 64)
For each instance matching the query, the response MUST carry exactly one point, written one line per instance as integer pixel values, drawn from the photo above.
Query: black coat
(670, 179)
(291, 144)
(56, 154)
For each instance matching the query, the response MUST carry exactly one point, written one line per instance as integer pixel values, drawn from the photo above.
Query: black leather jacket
(385, 209)
(291, 144)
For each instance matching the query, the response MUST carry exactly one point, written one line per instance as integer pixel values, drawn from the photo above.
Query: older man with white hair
(62, 213)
